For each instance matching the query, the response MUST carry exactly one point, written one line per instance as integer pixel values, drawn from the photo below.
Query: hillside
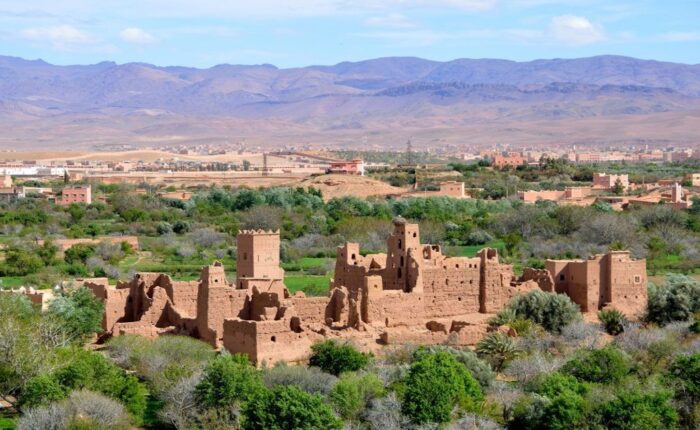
(142, 104)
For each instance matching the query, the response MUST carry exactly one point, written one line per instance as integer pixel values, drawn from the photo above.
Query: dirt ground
(345, 185)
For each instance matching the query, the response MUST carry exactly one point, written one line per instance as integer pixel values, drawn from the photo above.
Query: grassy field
(305, 263)
(471, 250)
(7, 423)
(11, 282)
(311, 285)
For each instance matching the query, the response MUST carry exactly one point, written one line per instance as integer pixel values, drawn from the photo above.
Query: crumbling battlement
(414, 293)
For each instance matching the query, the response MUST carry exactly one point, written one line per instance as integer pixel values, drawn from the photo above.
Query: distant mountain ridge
(354, 95)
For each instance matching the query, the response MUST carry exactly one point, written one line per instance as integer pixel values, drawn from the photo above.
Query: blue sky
(290, 33)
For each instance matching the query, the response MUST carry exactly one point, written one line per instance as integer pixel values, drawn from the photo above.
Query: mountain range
(538, 101)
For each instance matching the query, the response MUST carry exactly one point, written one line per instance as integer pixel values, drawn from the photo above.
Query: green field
(305, 263)
(11, 281)
(7, 423)
(471, 250)
(309, 284)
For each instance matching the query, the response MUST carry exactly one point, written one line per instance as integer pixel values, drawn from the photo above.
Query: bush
(613, 321)
(310, 379)
(353, 392)
(557, 405)
(635, 410)
(79, 253)
(552, 311)
(498, 349)
(288, 408)
(531, 367)
(676, 300)
(434, 385)
(163, 361)
(228, 380)
(79, 312)
(607, 365)
(480, 370)
(83, 409)
(336, 358)
(92, 371)
(684, 377)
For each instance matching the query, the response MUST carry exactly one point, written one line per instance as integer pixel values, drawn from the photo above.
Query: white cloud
(393, 20)
(137, 35)
(576, 30)
(681, 36)
(60, 36)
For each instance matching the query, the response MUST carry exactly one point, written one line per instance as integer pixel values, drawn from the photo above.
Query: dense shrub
(86, 370)
(676, 300)
(480, 370)
(498, 349)
(79, 312)
(434, 385)
(551, 311)
(288, 408)
(558, 404)
(637, 410)
(607, 365)
(613, 321)
(310, 379)
(82, 410)
(336, 358)
(163, 361)
(353, 392)
(684, 377)
(228, 380)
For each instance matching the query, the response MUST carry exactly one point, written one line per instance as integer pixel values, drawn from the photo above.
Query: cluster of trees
(182, 236)
(558, 372)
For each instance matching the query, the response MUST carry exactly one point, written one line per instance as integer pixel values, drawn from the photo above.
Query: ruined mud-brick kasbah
(414, 294)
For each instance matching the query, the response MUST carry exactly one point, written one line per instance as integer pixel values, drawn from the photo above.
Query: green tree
(336, 358)
(79, 253)
(20, 262)
(434, 385)
(558, 404)
(684, 377)
(352, 393)
(607, 365)
(89, 370)
(288, 408)
(618, 188)
(637, 410)
(228, 379)
(79, 313)
(676, 300)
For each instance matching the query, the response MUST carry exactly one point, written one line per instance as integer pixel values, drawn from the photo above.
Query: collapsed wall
(412, 294)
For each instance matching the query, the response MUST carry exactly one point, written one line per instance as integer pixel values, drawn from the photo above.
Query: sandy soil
(344, 185)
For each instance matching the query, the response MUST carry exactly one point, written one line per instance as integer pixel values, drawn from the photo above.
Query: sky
(295, 33)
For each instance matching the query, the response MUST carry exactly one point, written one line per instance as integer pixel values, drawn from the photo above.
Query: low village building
(570, 194)
(453, 189)
(347, 167)
(508, 161)
(78, 195)
(412, 294)
(605, 181)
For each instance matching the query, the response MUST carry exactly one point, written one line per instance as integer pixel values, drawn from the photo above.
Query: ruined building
(412, 294)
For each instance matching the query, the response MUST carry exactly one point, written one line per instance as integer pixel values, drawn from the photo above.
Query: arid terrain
(375, 104)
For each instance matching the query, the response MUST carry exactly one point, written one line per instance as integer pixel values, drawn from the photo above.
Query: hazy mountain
(361, 95)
